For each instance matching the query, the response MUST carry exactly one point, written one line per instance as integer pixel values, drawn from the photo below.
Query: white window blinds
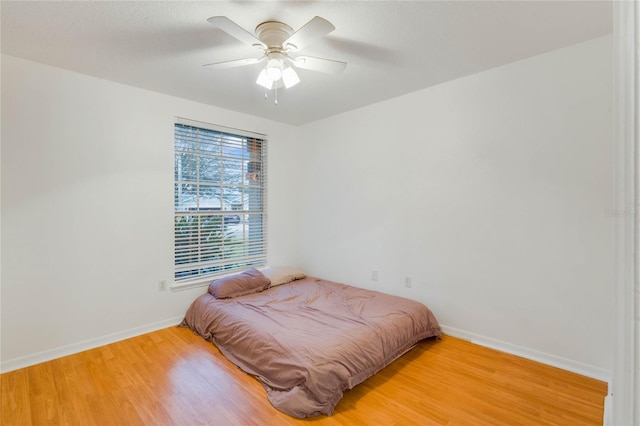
(220, 200)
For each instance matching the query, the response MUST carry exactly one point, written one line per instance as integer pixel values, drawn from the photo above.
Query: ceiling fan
(278, 42)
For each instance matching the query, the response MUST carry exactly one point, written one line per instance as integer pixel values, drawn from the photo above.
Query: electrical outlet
(162, 285)
(374, 275)
(407, 282)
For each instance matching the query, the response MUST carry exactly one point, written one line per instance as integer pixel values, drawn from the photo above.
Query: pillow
(282, 274)
(248, 282)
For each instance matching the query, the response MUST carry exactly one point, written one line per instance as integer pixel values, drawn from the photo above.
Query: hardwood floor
(173, 377)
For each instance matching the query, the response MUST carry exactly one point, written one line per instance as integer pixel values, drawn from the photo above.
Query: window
(219, 199)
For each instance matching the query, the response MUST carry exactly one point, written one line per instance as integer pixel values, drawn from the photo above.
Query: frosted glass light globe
(274, 69)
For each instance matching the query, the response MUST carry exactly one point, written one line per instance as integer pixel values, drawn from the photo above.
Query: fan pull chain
(266, 95)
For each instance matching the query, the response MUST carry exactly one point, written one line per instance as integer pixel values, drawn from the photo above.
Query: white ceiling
(391, 47)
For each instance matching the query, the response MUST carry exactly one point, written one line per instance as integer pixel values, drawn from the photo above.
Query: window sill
(201, 282)
(190, 285)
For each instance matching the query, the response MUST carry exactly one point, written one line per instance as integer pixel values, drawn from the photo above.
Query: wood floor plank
(173, 377)
(16, 404)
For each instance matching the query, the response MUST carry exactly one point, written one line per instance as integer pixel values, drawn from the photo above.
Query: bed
(309, 340)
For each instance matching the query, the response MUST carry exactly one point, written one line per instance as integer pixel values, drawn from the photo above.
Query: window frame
(254, 243)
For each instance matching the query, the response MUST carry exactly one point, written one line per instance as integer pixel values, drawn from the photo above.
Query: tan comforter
(309, 340)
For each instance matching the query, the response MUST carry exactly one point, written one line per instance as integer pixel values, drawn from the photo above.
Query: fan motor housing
(273, 34)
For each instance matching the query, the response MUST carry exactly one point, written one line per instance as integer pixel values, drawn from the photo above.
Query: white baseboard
(545, 358)
(37, 358)
(532, 354)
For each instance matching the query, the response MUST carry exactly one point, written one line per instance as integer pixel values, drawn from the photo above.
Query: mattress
(310, 340)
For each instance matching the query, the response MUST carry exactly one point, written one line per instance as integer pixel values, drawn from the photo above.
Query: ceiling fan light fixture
(264, 80)
(290, 77)
(277, 40)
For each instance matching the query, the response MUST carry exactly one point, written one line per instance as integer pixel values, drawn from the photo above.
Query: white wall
(87, 169)
(490, 192)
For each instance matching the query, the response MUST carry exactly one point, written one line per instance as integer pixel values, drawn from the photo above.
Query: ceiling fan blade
(233, 64)
(233, 29)
(311, 31)
(319, 64)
